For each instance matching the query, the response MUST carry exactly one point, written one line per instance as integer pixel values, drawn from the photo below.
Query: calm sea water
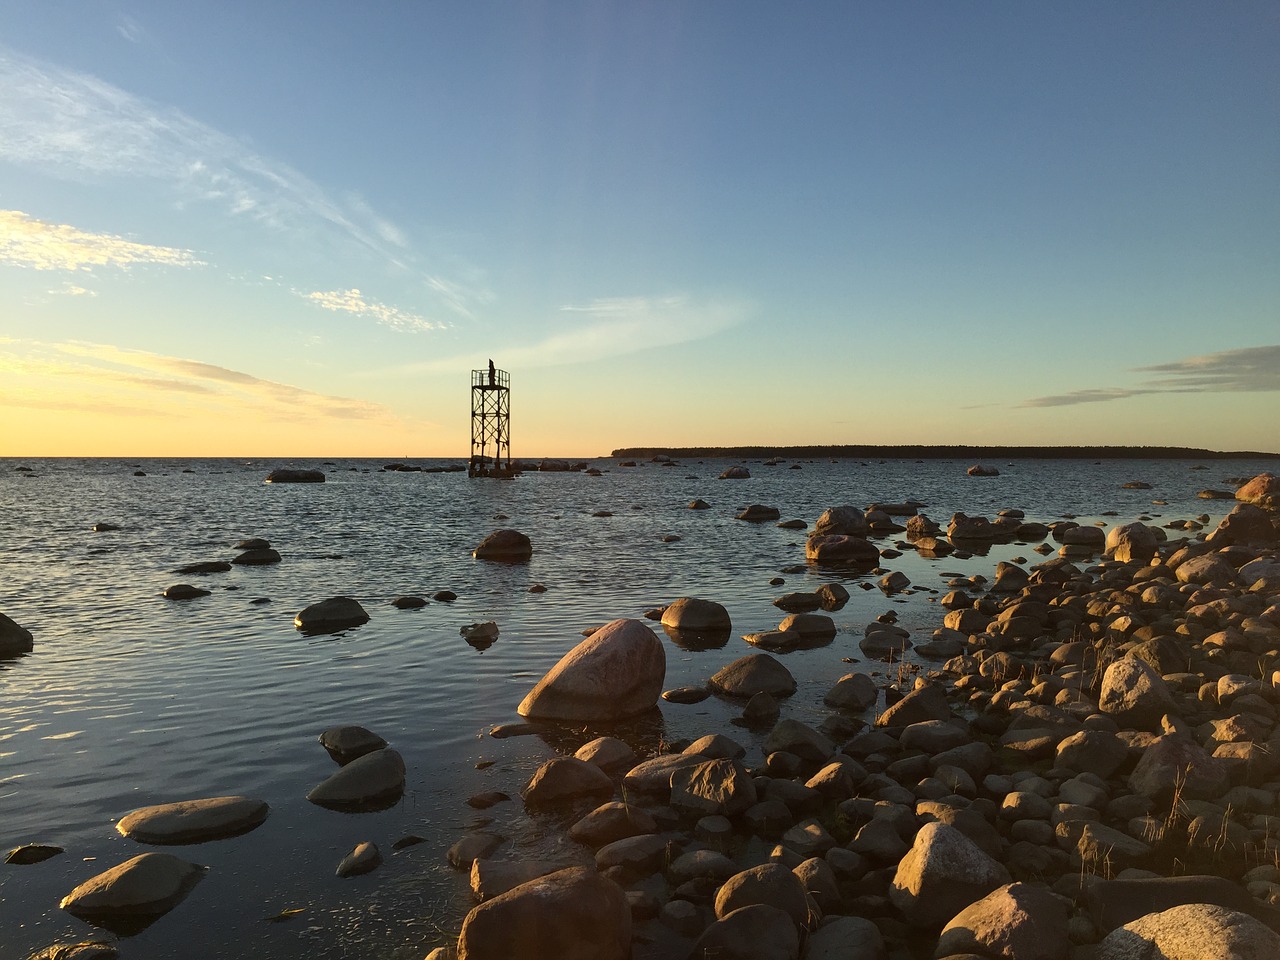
(130, 699)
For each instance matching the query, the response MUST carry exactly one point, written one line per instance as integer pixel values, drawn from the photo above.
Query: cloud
(72, 290)
(1252, 369)
(353, 301)
(137, 380)
(26, 242)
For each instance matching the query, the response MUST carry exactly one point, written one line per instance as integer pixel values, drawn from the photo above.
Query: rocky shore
(1081, 761)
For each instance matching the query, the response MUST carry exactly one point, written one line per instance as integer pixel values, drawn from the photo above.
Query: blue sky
(293, 228)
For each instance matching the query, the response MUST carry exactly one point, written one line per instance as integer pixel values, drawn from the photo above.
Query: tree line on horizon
(944, 452)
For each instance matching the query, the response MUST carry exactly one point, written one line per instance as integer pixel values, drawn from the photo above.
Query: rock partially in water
(257, 557)
(696, 616)
(840, 549)
(408, 603)
(131, 895)
(977, 470)
(736, 473)
(84, 950)
(374, 781)
(492, 878)
(758, 513)
(105, 527)
(506, 546)
(30, 853)
(686, 695)
(13, 638)
(206, 566)
(617, 672)
(184, 591)
(364, 858)
(699, 504)
(336, 613)
(348, 743)
(288, 475)
(193, 821)
(752, 674)
(480, 635)
(566, 778)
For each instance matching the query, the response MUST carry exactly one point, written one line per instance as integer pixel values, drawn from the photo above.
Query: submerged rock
(373, 781)
(347, 743)
(184, 591)
(508, 546)
(30, 853)
(336, 613)
(13, 638)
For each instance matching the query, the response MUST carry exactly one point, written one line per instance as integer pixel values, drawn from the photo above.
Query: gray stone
(347, 743)
(373, 780)
(1018, 920)
(713, 787)
(336, 613)
(147, 886)
(752, 674)
(193, 821)
(754, 932)
(616, 672)
(1193, 931)
(942, 873)
(566, 778)
(507, 546)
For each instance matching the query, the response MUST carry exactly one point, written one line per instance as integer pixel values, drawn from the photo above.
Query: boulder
(736, 473)
(257, 557)
(1192, 931)
(1246, 524)
(336, 613)
(1263, 491)
(1206, 570)
(841, 521)
(134, 892)
(13, 638)
(363, 859)
(812, 627)
(963, 527)
(612, 821)
(572, 914)
(506, 546)
(759, 513)
(184, 591)
(653, 777)
(853, 691)
(1174, 763)
(928, 702)
(696, 616)
(287, 475)
(1134, 695)
(1019, 920)
(1113, 903)
(373, 781)
(840, 549)
(977, 470)
(755, 932)
(799, 739)
(942, 873)
(846, 938)
(566, 778)
(193, 821)
(770, 883)
(1131, 543)
(752, 674)
(347, 743)
(616, 672)
(606, 753)
(714, 787)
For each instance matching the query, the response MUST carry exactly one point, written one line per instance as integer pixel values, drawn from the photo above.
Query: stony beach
(1078, 760)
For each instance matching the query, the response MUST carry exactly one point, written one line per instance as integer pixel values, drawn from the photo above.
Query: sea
(130, 699)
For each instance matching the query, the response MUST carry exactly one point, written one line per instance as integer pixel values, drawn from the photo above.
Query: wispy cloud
(353, 301)
(1231, 371)
(27, 242)
(144, 382)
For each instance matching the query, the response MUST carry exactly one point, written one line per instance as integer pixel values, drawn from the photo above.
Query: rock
(1263, 491)
(330, 615)
(1206, 570)
(799, 739)
(206, 566)
(840, 549)
(812, 628)
(634, 857)
(133, 893)
(286, 475)
(1193, 931)
(798, 602)
(193, 821)
(762, 708)
(713, 787)
(616, 672)
(612, 821)
(653, 777)
(1097, 847)
(1019, 920)
(606, 753)
(755, 932)
(716, 746)
(566, 778)
(373, 781)
(259, 557)
(409, 603)
(13, 638)
(252, 543)
(472, 847)
(345, 744)
(184, 591)
(833, 596)
(1246, 524)
(506, 546)
(771, 884)
(942, 873)
(686, 695)
(977, 470)
(699, 505)
(964, 527)
(928, 702)
(85, 950)
(491, 878)
(1134, 695)
(572, 914)
(1173, 762)
(1096, 751)
(846, 938)
(736, 473)
(694, 616)
(444, 596)
(841, 521)
(1113, 903)
(1131, 543)
(853, 691)
(364, 858)
(752, 674)
(30, 853)
(758, 513)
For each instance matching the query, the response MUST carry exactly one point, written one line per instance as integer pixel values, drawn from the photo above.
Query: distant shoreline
(948, 452)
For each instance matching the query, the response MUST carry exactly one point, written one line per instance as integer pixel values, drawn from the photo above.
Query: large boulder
(736, 473)
(942, 873)
(963, 527)
(1263, 490)
(1132, 542)
(373, 781)
(696, 616)
(1192, 931)
(1175, 764)
(928, 702)
(759, 513)
(841, 521)
(133, 893)
(1019, 920)
(566, 778)
(13, 638)
(755, 932)
(770, 883)
(716, 787)
(840, 549)
(336, 613)
(752, 674)
(507, 546)
(193, 821)
(1245, 524)
(846, 938)
(616, 672)
(1134, 695)
(1113, 903)
(572, 914)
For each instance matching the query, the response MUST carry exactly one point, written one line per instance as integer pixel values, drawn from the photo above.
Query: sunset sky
(292, 228)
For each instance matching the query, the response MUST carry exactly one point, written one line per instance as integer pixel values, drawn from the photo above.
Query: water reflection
(697, 640)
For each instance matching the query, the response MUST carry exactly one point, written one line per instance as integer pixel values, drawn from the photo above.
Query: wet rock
(736, 473)
(566, 778)
(612, 821)
(762, 708)
(206, 566)
(508, 546)
(699, 505)
(287, 475)
(491, 878)
(606, 753)
(30, 853)
(696, 616)
(472, 847)
(408, 603)
(184, 591)
(812, 628)
(840, 549)
(364, 858)
(372, 781)
(686, 695)
(569, 913)
(347, 743)
(963, 527)
(193, 821)
(105, 527)
(258, 557)
(832, 595)
(943, 873)
(798, 602)
(252, 543)
(336, 613)
(853, 691)
(617, 672)
(13, 638)
(756, 932)
(482, 636)
(134, 892)
(758, 513)
(444, 596)
(1193, 931)
(841, 521)
(1019, 920)
(977, 470)
(755, 673)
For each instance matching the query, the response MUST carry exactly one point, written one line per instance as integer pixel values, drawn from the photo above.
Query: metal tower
(490, 423)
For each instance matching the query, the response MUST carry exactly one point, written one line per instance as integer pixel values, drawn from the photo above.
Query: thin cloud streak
(353, 301)
(1252, 369)
(27, 242)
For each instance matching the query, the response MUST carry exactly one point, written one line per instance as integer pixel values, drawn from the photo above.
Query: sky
(293, 229)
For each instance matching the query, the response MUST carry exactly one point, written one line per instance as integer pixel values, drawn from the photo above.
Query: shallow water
(130, 699)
